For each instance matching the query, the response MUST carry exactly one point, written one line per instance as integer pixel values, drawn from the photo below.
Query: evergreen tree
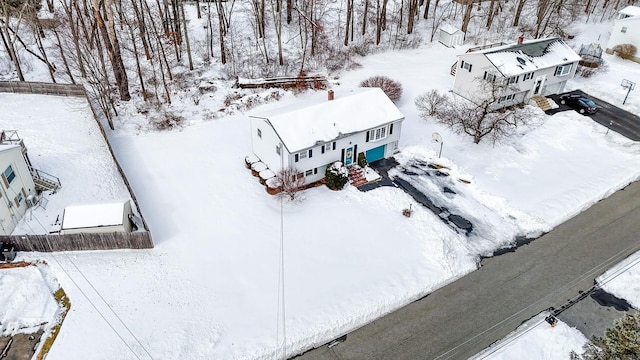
(620, 342)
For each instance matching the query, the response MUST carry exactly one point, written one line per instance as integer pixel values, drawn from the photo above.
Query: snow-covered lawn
(622, 280)
(63, 140)
(26, 295)
(209, 289)
(536, 340)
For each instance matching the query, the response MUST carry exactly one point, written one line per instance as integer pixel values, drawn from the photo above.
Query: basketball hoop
(627, 85)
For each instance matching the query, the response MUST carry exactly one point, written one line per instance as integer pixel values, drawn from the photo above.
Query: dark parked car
(579, 103)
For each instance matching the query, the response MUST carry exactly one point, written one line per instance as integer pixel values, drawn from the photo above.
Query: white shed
(97, 218)
(450, 36)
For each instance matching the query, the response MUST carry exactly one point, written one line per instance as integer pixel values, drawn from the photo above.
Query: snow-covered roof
(630, 11)
(317, 120)
(530, 56)
(449, 29)
(93, 215)
(4, 147)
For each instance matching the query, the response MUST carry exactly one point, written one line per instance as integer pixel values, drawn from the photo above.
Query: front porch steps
(356, 176)
(542, 102)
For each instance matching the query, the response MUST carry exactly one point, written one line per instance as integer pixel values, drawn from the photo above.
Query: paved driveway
(610, 116)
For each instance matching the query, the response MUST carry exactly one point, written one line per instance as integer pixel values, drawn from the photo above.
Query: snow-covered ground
(209, 289)
(63, 140)
(536, 340)
(26, 295)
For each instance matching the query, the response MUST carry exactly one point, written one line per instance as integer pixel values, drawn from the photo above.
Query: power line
(281, 292)
(109, 306)
(95, 308)
(571, 302)
(99, 295)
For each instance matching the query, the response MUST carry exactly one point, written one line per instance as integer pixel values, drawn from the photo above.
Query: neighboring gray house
(626, 30)
(534, 67)
(310, 134)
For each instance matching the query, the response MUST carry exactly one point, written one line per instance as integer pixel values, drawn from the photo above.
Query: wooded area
(116, 48)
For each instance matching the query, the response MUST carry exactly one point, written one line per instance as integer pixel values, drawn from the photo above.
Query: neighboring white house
(626, 30)
(15, 187)
(534, 67)
(450, 36)
(308, 135)
(97, 218)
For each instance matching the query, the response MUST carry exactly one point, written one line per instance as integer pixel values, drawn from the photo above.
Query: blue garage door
(375, 154)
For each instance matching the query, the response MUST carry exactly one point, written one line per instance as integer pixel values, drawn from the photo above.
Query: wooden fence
(134, 240)
(84, 241)
(23, 87)
(302, 82)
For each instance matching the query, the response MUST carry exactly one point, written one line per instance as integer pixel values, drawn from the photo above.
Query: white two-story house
(16, 184)
(310, 134)
(534, 67)
(626, 30)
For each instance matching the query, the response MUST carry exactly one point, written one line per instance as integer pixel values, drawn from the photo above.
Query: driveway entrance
(610, 116)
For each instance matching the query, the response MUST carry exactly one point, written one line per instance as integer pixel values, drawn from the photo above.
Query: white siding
(265, 147)
(445, 38)
(95, 230)
(630, 36)
(320, 161)
(466, 83)
(10, 213)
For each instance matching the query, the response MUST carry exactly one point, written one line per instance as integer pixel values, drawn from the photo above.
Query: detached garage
(98, 218)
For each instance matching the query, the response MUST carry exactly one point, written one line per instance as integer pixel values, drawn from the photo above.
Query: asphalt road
(466, 316)
(610, 116)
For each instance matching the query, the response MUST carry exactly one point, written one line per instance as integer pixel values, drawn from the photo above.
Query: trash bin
(7, 252)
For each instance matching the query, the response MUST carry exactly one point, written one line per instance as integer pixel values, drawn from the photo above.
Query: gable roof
(93, 215)
(630, 11)
(7, 147)
(450, 29)
(314, 120)
(529, 56)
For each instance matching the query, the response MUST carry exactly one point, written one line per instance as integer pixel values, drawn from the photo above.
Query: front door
(538, 84)
(348, 156)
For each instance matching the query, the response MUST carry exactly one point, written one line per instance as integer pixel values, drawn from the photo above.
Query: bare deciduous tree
(467, 15)
(429, 102)
(484, 116)
(8, 10)
(112, 46)
(516, 17)
(381, 19)
(348, 22)
(290, 181)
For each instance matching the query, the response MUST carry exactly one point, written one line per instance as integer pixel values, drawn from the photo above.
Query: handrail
(10, 136)
(45, 176)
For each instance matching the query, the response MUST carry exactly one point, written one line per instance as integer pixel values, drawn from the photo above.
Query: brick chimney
(520, 39)
(330, 95)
